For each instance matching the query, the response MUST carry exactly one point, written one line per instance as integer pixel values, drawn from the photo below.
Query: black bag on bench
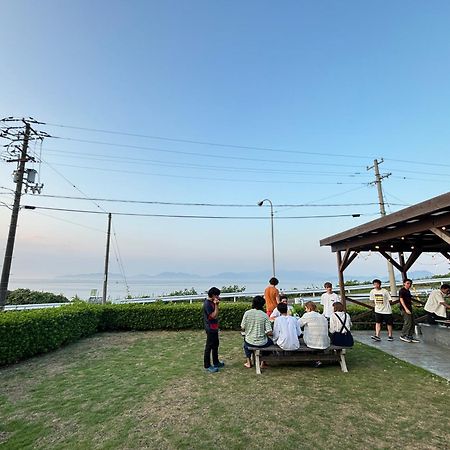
(342, 339)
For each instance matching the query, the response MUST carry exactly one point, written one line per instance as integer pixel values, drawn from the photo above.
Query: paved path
(433, 358)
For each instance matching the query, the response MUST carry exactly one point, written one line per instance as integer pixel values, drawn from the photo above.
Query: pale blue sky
(335, 83)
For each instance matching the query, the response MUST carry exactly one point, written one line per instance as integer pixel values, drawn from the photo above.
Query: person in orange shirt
(272, 295)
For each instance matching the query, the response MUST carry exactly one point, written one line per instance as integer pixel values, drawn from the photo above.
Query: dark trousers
(432, 317)
(408, 324)
(211, 347)
(248, 353)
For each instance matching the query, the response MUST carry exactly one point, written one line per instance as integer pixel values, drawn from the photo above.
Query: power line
(203, 155)
(233, 205)
(208, 143)
(201, 178)
(141, 161)
(181, 216)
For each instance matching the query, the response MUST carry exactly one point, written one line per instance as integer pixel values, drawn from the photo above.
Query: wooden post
(341, 279)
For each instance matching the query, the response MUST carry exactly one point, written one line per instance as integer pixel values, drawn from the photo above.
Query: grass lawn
(148, 390)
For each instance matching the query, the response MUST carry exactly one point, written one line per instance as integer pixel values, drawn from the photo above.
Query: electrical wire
(205, 178)
(203, 155)
(211, 144)
(141, 161)
(233, 205)
(33, 207)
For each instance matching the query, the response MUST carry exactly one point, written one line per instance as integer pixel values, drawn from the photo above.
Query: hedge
(27, 333)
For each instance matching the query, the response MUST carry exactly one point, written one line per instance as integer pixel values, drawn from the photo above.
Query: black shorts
(388, 318)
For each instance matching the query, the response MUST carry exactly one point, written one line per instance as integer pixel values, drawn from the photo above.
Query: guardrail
(302, 295)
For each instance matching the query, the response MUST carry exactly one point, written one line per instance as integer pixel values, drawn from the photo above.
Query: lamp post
(271, 223)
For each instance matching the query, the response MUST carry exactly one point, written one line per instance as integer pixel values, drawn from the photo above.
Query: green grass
(148, 390)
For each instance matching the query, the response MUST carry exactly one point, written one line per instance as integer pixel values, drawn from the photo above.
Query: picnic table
(333, 353)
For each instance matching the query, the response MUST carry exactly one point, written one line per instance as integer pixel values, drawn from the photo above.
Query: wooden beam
(442, 234)
(391, 260)
(357, 302)
(401, 260)
(350, 260)
(344, 259)
(419, 211)
(341, 280)
(412, 258)
(446, 254)
(384, 234)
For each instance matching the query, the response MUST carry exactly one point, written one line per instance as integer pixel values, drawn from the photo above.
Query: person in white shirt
(436, 306)
(327, 299)
(276, 313)
(286, 329)
(340, 325)
(315, 328)
(383, 312)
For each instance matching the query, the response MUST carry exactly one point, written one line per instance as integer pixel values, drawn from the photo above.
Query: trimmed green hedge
(27, 333)
(163, 316)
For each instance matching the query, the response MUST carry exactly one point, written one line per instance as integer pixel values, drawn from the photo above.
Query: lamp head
(260, 203)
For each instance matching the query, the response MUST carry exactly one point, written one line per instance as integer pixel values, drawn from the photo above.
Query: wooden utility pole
(105, 280)
(378, 178)
(19, 174)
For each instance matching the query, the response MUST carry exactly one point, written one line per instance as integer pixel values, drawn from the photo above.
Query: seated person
(276, 312)
(315, 328)
(436, 306)
(340, 324)
(257, 328)
(286, 329)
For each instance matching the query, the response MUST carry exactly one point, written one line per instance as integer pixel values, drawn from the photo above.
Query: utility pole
(13, 134)
(105, 280)
(377, 181)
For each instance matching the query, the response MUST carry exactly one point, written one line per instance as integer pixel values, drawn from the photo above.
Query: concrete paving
(434, 358)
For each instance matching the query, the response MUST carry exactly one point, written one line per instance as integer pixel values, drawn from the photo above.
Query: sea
(153, 287)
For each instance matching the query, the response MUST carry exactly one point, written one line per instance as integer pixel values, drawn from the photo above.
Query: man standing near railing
(406, 309)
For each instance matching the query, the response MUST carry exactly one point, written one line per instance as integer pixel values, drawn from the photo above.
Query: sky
(223, 102)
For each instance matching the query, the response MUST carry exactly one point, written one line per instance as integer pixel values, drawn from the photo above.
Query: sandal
(248, 365)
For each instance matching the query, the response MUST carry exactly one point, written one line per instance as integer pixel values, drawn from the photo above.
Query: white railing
(302, 295)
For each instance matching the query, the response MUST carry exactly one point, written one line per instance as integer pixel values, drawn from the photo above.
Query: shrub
(26, 297)
(163, 316)
(28, 333)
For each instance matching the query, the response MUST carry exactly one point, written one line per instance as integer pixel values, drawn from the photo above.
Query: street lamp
(271, 223)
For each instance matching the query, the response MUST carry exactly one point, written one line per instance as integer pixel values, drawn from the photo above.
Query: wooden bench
(274, 353)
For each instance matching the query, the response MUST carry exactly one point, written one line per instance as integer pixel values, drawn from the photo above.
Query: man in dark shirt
(406, 309)
(211, 320)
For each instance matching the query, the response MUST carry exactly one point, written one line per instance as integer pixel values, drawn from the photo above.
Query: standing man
(271, 296)
(211, 320)
(436, 306)
(327, 300)
(383, 311)
(406, 310)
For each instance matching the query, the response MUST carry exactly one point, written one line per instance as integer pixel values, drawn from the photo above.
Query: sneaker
(390, 338)
(219, 365)
(317, 364)
(375, 338)
(212, 369)
(411, 339)
(405, 339)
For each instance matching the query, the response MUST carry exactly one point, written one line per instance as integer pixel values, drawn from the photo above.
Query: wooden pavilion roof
(424, 227)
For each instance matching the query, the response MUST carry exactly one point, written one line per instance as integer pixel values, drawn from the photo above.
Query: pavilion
(418, 229)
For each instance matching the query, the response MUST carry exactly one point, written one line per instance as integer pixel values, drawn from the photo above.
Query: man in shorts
(383, 311)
